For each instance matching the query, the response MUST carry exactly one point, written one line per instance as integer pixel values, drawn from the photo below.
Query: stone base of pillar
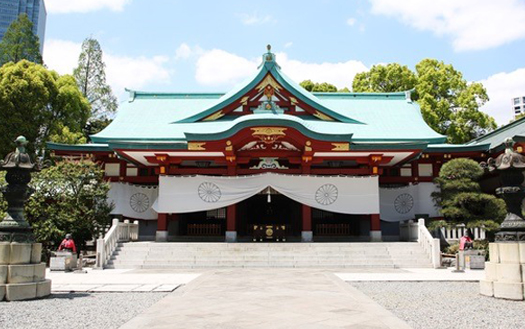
(161, 236)
(307, 236)
(375, 236)
(231, 236)
(505, 272)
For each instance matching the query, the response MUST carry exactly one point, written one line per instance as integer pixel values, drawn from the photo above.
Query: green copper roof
(78, 147)
(497, 137)
(362, 117)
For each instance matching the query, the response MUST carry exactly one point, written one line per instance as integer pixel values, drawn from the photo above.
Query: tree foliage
(37, 103)
(390, 78)
(449, 104)
(66, 136)
(91, 78)
(69, 197)
(323, 87)
(19, 42)
(461, 199)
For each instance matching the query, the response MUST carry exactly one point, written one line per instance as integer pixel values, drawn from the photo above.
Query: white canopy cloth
(341, 194)
(398, 204)
(133, 201)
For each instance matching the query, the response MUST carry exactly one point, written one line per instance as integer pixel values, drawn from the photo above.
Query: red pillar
(231, 223)
(307, 218)
(231, 215)
(162, 228)
(307, 234)
(375, 227)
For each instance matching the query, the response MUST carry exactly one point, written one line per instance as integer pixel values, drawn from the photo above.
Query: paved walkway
(120, 280)
(266, 298)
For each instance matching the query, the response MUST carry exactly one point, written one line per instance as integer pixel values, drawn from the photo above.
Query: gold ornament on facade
(293, 100)
(341, 147)
(196, 146)
(214, 116)
(229, 146)
(244, 100)
(268, 81)
(268, 135)
(322, 116)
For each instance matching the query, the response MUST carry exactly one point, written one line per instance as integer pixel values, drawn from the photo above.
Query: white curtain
(133, 201)
(341, 194)
(398, 204)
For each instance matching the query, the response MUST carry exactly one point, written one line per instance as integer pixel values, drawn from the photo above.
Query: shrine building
(271, 161)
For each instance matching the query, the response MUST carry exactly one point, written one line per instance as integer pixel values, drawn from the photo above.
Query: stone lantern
(505, 272)
(22, 274)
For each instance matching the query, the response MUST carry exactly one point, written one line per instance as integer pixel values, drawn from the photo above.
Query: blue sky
(161, 45)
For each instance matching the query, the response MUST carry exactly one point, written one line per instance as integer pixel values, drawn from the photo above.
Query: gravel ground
(445, 304)
(76, 310)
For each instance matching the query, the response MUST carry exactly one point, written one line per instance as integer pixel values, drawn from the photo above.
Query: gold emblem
(269, 135)
(195, 146)
(244, 100)
(322, 116)
(269, 232)
(268, 81)
(214, 116)
(341, 147)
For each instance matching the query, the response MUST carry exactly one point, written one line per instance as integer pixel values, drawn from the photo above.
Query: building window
(516, 100)
(425, 169)
(216, 213)
(406, 171)
(112, 169)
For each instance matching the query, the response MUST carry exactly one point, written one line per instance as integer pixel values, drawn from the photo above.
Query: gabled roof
(496, 138)
(268, 67)
(174, 117)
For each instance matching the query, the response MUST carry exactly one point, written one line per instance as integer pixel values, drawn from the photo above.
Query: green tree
(37, 103)
(19, 42)
(95, 125)
(461, 199)
(449, 104)
(318, 87)
(390, 78)
(69, 197)
(66, 136)
(91, 78)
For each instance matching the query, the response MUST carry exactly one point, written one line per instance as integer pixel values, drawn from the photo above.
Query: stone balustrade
(22, 274)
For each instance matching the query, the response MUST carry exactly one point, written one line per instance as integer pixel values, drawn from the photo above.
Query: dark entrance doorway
(280, 211)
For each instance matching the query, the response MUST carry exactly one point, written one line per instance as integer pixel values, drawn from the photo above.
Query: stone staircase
(151, 255)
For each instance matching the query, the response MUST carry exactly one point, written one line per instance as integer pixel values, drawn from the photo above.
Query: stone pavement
(119, 280)
(266, 298)
(414, 274)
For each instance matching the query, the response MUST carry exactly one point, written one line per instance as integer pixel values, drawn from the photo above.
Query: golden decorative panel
(322, 116)
(214, 116)
(293, 100)
(341, 147)
(269, 135)
(244, 100)
(196, 146)
(268, 80)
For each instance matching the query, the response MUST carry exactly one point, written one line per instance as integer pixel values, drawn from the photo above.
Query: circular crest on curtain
(209, 192)
(404, 203)
(139, 202)
(326, 194)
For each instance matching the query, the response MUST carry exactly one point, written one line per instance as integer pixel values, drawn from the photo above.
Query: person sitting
(68, 244)
(465, 242)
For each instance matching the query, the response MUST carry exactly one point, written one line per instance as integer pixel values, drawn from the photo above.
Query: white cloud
(472, 24)
(121, 71)
(288, 44)
(218, 67)
(502, 88)
(255, 19)
(83, 6)
(184, 51)
(351, 21)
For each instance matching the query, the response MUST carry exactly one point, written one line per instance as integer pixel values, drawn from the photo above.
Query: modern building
(270, 160)
(35, 10)
(518, 105)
